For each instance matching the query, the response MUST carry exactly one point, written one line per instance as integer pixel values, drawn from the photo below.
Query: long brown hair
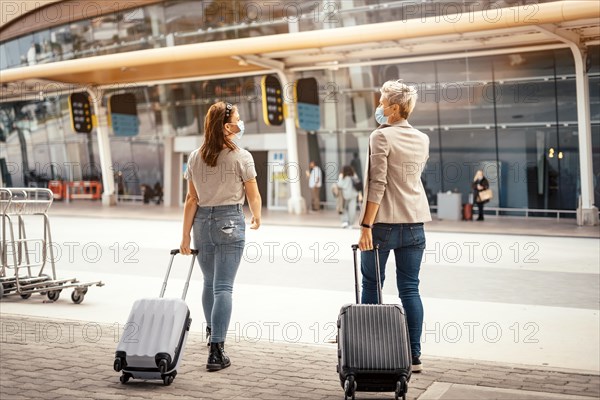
(217, 116)
(347, 171)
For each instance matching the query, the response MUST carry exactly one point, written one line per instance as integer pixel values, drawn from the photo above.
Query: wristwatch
(367, 226)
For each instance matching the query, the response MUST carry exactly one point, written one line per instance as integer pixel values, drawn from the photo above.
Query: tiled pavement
(61, 359)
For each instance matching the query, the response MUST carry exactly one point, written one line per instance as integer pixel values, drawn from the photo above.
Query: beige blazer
(397, 157)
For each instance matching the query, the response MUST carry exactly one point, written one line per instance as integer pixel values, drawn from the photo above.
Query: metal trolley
(18, 275)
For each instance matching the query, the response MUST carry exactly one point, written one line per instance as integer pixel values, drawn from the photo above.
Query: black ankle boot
(208, 336)
(217, 358)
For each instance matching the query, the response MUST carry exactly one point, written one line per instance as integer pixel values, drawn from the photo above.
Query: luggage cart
(28, 277)
(9, 208)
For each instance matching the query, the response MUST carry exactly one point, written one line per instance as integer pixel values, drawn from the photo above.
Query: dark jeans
(479, 205)
(408, 243)
(480, 209)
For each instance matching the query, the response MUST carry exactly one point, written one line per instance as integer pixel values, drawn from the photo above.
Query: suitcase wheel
(168, 379)
(163, 365)
(401, 389)
(125, 378)
(349, 388)
(117, 365)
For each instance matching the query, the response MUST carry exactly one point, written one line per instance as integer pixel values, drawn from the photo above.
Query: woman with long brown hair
(219, 174)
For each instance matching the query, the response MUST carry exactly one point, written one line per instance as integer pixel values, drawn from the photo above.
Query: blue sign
(309, 116)
(309, 112)
(125, 124)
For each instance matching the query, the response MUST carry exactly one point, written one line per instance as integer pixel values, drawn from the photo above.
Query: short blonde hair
(403, 95)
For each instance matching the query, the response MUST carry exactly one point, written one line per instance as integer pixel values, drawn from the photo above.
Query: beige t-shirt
(222, 184)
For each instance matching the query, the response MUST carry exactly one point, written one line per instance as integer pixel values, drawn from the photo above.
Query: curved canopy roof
(458, 33)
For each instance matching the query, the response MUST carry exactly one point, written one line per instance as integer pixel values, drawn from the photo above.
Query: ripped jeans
(219, 235)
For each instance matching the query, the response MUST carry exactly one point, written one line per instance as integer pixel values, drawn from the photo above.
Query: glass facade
(40, 145)
(513, 115)
(177, 22)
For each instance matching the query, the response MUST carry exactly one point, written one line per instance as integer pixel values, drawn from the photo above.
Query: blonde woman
(479, 184)
(396, 205)
(219, 175)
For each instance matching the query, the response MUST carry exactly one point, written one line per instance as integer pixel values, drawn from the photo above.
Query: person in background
(349, 194)
(315, 181)
(220, 174)
(158, 193)
(480, 183)
(356, 166)
(395, 205)
(147, 193)
(358, 177)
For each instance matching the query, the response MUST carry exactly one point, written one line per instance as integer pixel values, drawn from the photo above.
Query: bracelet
(367, 226)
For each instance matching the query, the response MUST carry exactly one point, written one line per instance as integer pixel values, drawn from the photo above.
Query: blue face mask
(379, 117)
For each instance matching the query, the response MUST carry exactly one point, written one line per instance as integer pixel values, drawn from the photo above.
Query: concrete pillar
(587, 212)
(109, 197)
(167, 135)
(172, 172)
(296, 203)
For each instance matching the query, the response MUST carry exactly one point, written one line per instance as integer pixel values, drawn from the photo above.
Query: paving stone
(260, 370)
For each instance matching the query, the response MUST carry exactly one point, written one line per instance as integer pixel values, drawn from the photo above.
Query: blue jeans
(408, 243)
(219, 235)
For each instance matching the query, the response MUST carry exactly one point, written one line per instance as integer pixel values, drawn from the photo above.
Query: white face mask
(242, 128)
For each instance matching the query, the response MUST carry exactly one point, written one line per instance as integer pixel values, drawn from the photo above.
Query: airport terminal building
(511, 87)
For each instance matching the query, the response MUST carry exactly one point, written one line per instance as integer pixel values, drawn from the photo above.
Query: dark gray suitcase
(373, 345)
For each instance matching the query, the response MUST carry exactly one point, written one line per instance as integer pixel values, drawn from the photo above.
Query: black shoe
(480, 219)
(207, 336)
(416, 364)
(217, 358)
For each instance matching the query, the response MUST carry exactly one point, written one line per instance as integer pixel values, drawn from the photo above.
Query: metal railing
(522, 212)
(528, 211)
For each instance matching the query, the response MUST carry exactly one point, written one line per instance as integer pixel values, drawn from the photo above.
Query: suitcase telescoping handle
(174, 252)
(377, 271)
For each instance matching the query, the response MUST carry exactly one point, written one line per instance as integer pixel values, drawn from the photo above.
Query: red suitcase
(467, 212)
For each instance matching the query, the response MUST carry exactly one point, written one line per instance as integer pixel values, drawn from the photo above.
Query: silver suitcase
(154, 337)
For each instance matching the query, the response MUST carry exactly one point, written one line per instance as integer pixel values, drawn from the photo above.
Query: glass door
(278, 185)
